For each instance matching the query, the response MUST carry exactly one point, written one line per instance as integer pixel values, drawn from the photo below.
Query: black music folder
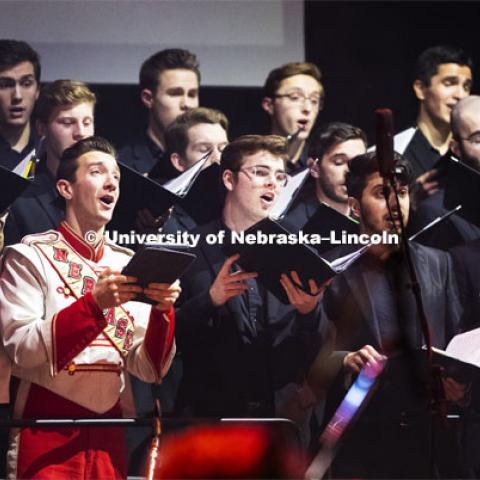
(462, 188)
(417, 236)
(12, 186)
(157, 264)
(138, 192)
(270, 260)
(461, 371)
(204, 200)
(326, 220)
(461, 358)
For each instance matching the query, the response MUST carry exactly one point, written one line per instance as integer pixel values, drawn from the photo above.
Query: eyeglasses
(473, 139)
(259, 173)
(299, 98)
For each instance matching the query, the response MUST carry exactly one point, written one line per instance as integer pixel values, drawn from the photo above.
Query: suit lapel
(407, 297)
(358, 285)
(47, 198)
(141, 155)
(311, 206)
(46, 202)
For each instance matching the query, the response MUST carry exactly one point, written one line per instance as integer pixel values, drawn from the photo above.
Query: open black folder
(327, 220)
(462, 372)
(12, 186)
(204, 200)
(157, 264)
(139, 192)
(461, 359)
(462, 188)
(270, 260)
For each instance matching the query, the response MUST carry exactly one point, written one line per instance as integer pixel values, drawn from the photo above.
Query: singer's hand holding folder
(463, 185)
(157, 264)
(271, 260)
(461, 359)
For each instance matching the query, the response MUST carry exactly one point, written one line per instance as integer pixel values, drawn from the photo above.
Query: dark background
(365, 50)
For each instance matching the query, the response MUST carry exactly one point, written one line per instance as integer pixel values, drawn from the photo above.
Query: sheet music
(23, 167)
(181, 184)
(466, 347)
(342, 263)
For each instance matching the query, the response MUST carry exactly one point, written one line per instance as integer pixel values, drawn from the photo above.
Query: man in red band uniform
(70, 329)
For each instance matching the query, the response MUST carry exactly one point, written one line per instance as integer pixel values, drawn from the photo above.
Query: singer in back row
(76, 343)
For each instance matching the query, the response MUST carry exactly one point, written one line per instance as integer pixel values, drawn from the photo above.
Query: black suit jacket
(142, 155)
(396, 418)
(179, 221)
(232, 365)
(301, 213)
(467, 266)
(38, 209)
(350, 306)
(349, 302)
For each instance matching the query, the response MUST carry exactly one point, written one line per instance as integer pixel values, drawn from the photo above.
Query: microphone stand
(155, 445)
(435, 387)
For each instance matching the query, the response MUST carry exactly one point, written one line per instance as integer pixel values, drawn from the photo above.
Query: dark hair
(326, 137)
(361, 166)
(276, 76)
(170, 59)
(62, 93)
(68, 161)
(176, 136)
(232, 155)
(13, 52)
(427, 63)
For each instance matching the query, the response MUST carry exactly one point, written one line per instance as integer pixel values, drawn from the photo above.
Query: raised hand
(228, 284)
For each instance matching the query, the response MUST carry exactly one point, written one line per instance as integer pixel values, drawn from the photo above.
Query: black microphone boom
(384, 141)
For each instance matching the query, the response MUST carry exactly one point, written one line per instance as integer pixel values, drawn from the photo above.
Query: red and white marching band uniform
(70, 356)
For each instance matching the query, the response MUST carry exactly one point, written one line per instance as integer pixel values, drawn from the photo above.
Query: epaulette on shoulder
(49, 236)
(118, 248)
